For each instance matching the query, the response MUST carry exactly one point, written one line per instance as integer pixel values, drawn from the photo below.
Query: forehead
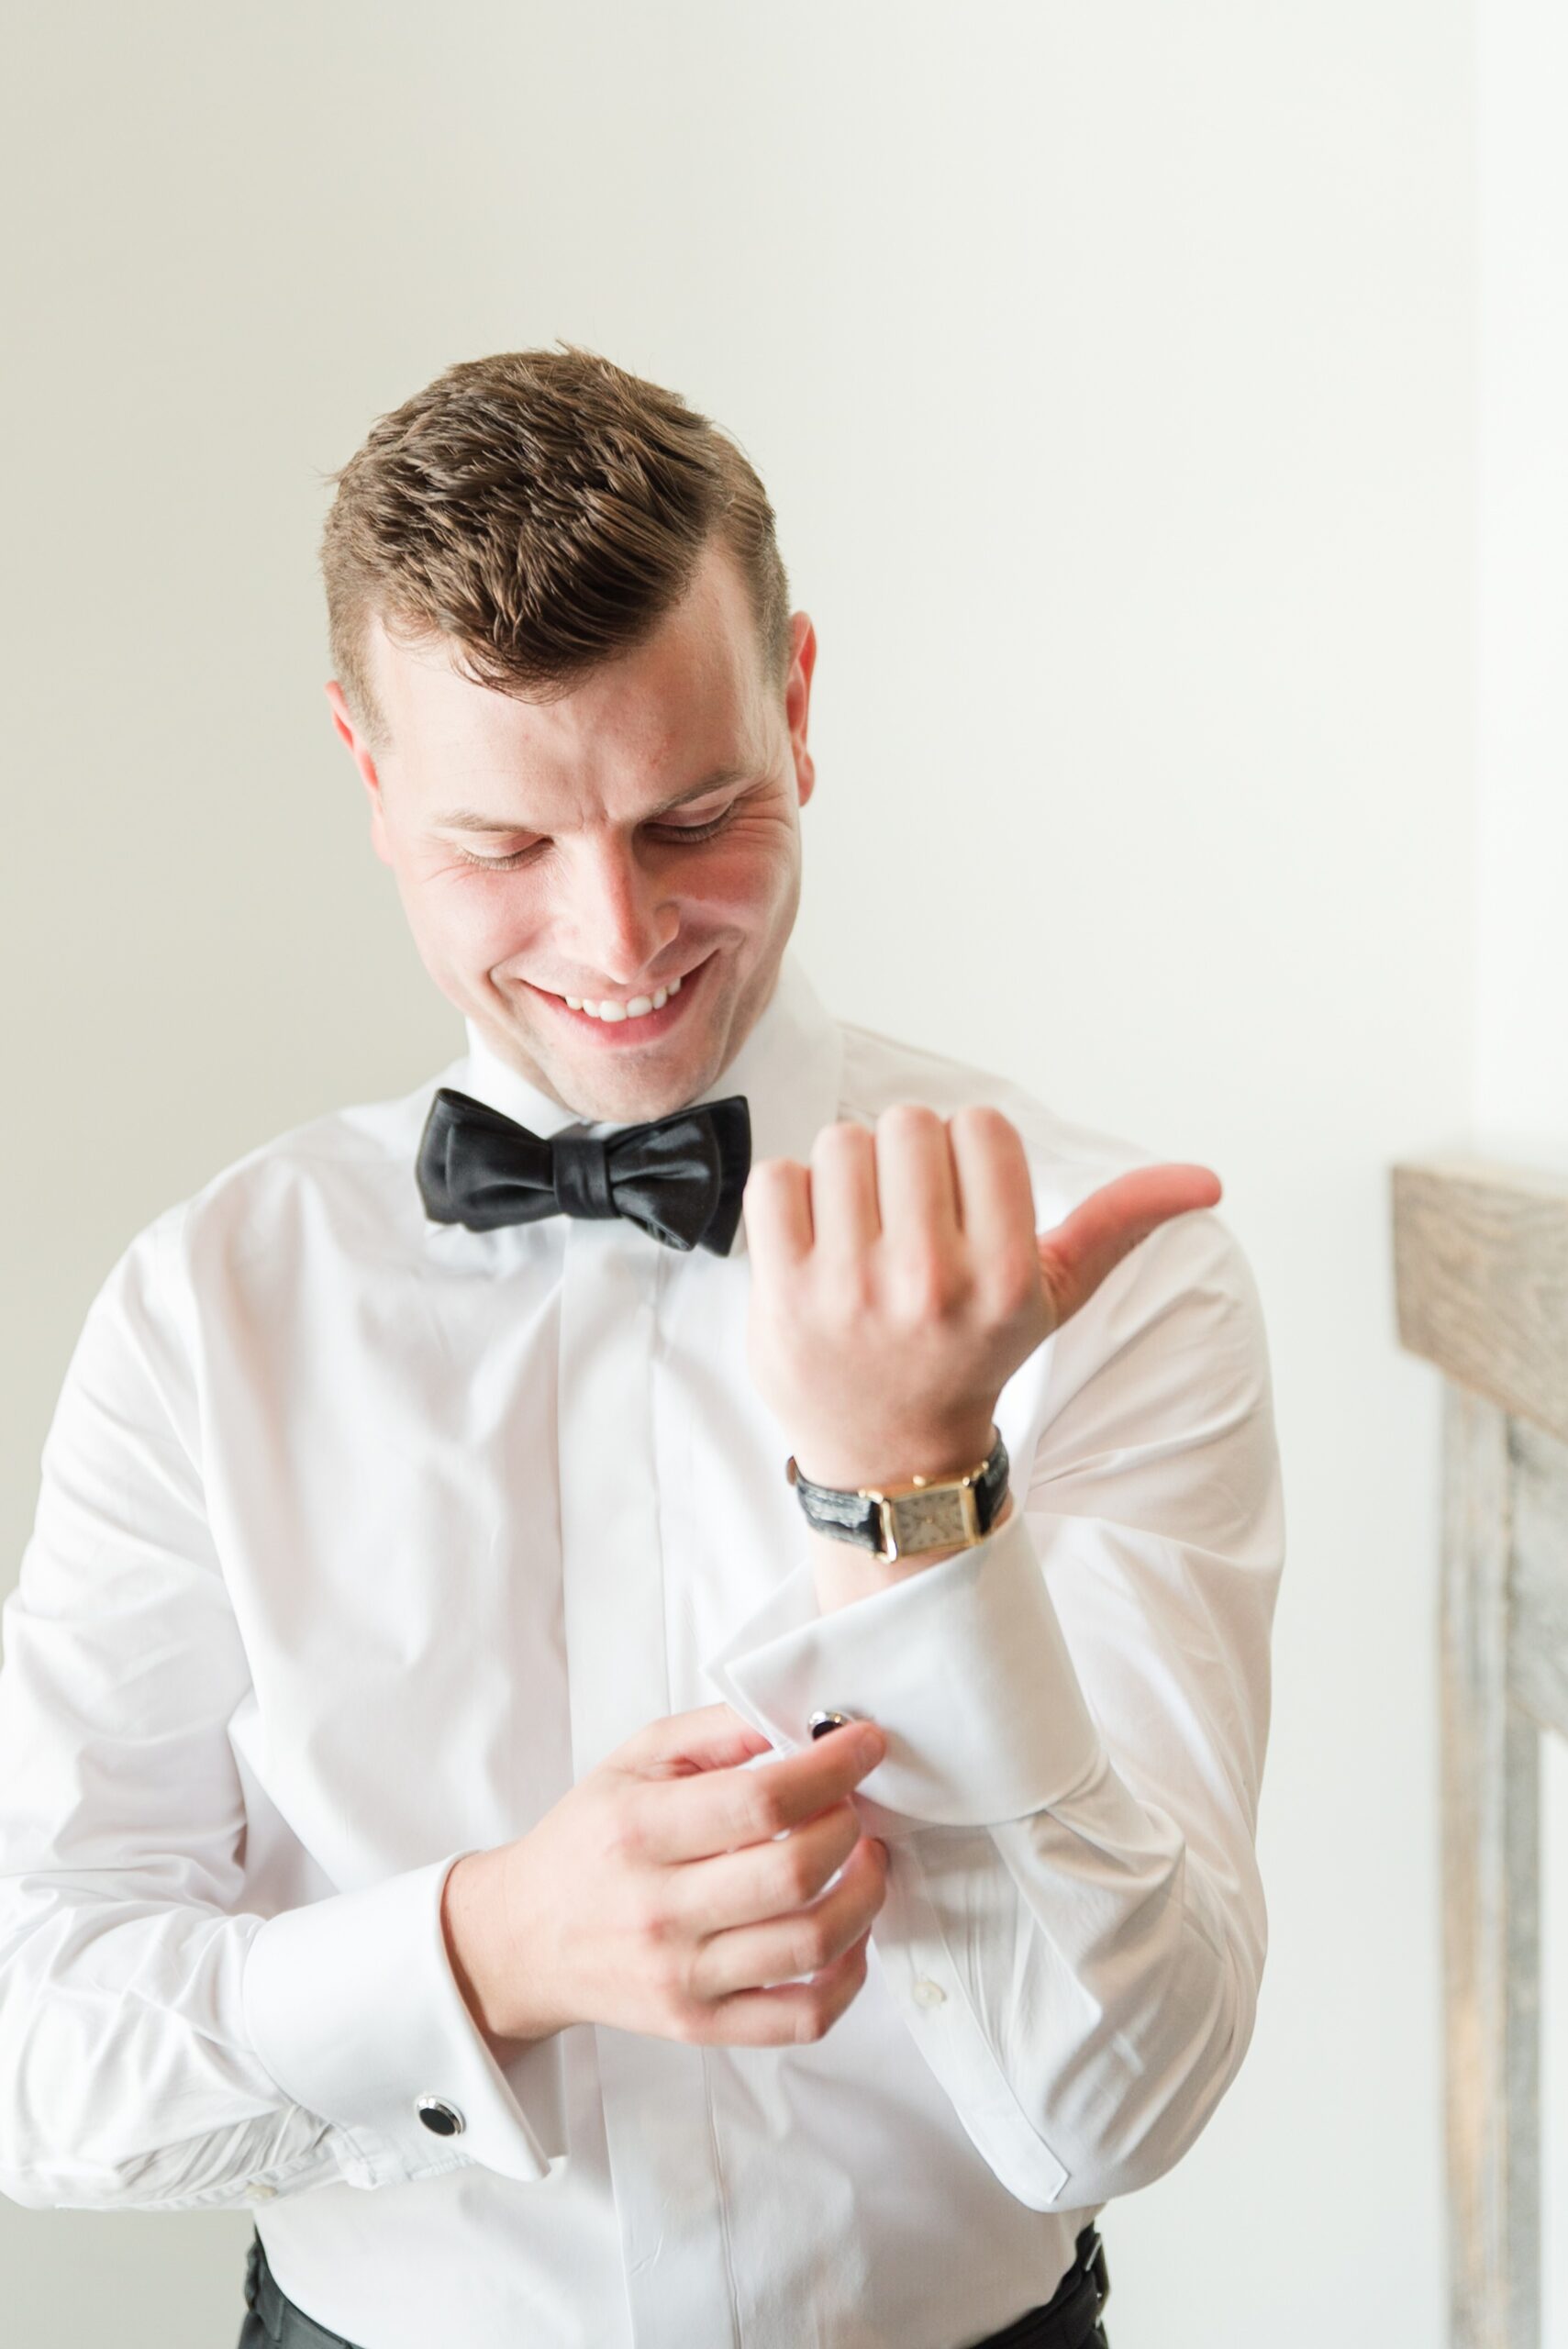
(692, 698)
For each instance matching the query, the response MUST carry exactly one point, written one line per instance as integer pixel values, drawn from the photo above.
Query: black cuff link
(441, 2119)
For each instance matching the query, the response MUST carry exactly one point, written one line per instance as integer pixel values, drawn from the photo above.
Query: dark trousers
(274, 2322)
(1067, 2321)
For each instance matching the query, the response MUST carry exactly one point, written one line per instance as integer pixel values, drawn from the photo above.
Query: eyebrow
(468, 819)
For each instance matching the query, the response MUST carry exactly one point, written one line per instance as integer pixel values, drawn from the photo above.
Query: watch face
(933, 1520)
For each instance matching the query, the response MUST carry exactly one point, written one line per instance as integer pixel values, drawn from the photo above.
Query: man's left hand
(898, 1282)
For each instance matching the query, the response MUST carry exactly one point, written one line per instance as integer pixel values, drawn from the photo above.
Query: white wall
(1521, 1068)
(1112, 371)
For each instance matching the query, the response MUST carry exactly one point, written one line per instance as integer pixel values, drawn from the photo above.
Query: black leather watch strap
(892, 1521)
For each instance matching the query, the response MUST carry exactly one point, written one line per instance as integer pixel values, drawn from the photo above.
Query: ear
(359, 752)
(797, 700)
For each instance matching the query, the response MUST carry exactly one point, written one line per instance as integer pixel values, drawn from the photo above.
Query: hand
(899, 1282)
(655, 1897)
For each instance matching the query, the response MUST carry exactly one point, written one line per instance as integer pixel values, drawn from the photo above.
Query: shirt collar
(789, 1068)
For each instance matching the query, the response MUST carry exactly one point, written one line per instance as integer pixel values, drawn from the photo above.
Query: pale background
(1164, 409)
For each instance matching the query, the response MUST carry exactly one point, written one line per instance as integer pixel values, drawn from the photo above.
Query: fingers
(769, 1879)
(923, 1180)
(995, 1204)
(914, 1176)
(776, 1205)
(784, 1949)
(713, 1737)
(721, 1811)
(919, 1179)
(845, 1216)
(795, 2013)
(1076, 1257)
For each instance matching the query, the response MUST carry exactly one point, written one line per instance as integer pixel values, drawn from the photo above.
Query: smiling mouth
(638, 1018)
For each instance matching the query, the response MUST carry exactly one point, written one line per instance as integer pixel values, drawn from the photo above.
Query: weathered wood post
(1481, 1268)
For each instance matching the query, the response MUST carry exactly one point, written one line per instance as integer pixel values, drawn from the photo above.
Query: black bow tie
(679, 1177)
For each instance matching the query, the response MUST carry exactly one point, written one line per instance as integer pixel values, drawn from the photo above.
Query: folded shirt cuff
(964, 1664)
(354, 2010)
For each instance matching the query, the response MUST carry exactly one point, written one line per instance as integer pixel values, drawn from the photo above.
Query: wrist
(847, 1462)
(840, 1573)
(479, 1951)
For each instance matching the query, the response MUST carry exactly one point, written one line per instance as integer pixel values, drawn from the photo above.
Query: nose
(618, 919)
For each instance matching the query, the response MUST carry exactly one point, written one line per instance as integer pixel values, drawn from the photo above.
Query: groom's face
(641, 829)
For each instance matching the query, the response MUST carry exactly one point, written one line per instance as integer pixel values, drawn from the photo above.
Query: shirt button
(441, 2119)
(260, 2193)
(927, 1994)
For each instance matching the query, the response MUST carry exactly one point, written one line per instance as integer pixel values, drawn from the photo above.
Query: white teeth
(638, 1009)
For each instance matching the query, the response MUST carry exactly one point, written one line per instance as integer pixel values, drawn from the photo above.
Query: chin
(625, 1097)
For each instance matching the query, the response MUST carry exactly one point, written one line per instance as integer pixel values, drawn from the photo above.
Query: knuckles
(624, 1841)
(987, 1127)
(928, 1287)
(765, 1171)
(762, 1811)
(810, 1946)
(908, 1121)
(648, 1922)
(843, 1138)
(1014, 1282)
(824, 2002)
(685, 2018)
(798, 1876)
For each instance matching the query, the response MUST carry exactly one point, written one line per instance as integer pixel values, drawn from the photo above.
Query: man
(464, 1727)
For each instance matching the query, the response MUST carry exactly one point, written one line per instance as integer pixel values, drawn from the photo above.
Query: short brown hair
(544, 509)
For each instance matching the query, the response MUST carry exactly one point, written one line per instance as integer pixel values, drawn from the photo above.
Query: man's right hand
(676, 1893)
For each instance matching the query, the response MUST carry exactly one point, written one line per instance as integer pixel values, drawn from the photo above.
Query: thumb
(714, 1737)
(1075, 1257)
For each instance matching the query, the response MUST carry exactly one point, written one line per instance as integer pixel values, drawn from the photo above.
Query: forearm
(1073, 1926)
(164, 2056)
(1091, 1967)
(112, 2101)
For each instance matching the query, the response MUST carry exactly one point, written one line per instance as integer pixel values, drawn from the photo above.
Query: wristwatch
(925, 1513)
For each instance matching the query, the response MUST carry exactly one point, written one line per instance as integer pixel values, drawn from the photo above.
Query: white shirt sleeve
(161, 2047)
(1077, 1712)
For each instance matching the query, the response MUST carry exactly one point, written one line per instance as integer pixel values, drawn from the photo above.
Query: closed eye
(669, 831)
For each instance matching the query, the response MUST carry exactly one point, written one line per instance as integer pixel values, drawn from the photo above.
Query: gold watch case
(922, 1513)
(927, 1514)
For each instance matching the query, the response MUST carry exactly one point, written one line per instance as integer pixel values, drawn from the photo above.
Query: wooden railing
(1481, 1259)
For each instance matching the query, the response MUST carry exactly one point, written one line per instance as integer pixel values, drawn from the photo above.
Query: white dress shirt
(361, 1537)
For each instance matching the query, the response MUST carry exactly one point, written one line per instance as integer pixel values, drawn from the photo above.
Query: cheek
(745, 875)
(470, 923)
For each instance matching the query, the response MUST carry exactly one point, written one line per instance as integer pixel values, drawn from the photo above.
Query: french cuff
(353, 2007)
(964, 1665)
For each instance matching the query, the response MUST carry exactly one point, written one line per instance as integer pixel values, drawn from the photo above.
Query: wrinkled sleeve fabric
(1077, 1712)
(160, 2047)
